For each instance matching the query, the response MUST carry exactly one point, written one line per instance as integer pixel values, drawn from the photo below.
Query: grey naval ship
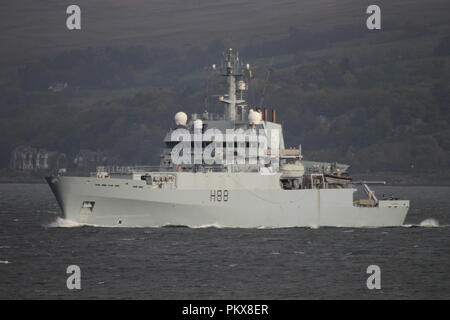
(284, 190)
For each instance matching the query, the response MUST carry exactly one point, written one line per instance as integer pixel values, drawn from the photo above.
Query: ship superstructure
(229, 170)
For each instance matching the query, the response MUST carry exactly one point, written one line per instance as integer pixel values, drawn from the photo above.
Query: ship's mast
(232, 69)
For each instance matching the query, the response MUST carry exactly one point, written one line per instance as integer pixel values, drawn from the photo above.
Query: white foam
(429, 223)
(212, 225)
(268, 228)
(64, 223)
(4, 262)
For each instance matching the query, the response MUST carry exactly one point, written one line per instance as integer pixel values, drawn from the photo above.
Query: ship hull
(127, 203)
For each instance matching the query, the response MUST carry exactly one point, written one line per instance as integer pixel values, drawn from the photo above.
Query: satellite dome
(254, 117)
(198, 124)
(242, 86)
(181, 118)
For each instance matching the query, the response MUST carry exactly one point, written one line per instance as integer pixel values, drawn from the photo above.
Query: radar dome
(254, 117)
(198, 124)
(242, 86)
(181, 118)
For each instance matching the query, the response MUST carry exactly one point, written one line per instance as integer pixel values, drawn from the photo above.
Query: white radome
(254, 117)
(198, 124)
(181, 118)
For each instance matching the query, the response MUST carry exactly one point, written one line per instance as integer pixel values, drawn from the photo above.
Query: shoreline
(22, 181)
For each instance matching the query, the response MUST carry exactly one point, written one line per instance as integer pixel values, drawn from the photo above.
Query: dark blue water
(166, 263)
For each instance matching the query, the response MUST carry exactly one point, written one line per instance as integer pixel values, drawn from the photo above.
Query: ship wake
(65, 223)
(427, 223)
